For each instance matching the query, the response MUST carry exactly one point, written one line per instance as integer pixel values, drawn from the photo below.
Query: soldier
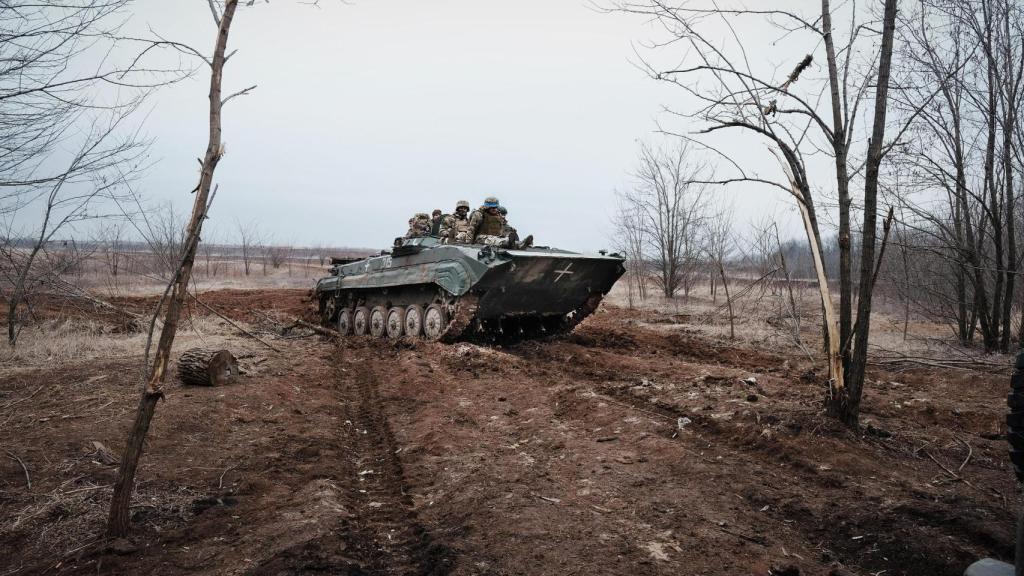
(489, 227)
(510, 232)
(455, 227)
(436, 220)
(485, 224)
(419, 225)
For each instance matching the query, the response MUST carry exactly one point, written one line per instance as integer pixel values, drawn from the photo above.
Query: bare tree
(112, 244)
(966, 147)
(66, 147)
(631, 239)
(165, 234)
(794, 309)
(69, 200)
(249, 241)
(719, 247)
(286, 254)
(734, 97)
(670, 209)
(119, 520)
(264, 249)
(209, 248)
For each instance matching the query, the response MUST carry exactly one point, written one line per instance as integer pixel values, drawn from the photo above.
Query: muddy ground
(624, 448)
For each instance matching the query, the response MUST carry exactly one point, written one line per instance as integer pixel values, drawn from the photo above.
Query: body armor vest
(491, 225)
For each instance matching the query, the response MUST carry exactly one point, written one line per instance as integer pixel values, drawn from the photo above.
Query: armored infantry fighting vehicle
(426, 289)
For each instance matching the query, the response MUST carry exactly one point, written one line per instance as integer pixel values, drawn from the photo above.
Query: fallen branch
(28, 479)
(970, 452)
(19, 401)
(220, 481)
(86, 489)
(229, 321)
(952, 474)
(753, 539)
(969, 364)
(318, 329)
(547, 498)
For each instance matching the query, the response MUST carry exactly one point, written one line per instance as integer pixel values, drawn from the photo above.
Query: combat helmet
(461, 204)
(503, 211)
(491, 202)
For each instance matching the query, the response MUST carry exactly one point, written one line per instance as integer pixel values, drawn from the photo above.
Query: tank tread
(463, 322)
(579, 314)
(461, 318)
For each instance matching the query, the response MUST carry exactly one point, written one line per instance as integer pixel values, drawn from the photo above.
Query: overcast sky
(370, 111)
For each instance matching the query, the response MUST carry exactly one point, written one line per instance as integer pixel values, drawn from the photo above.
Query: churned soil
(623, 448)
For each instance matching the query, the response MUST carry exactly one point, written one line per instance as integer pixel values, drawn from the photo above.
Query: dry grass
(58, 342)
(764, 319)
(227, 275)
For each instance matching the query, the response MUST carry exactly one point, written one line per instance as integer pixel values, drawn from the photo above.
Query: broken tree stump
(203, 367)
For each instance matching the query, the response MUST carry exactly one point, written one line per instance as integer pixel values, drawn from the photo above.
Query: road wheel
(328, 307)
(396, 322)
(378, 321)
(414, 321)
(435, 320)
(361, 321)
(344, 322)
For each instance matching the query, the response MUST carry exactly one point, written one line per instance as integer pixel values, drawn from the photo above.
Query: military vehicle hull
(450, 292)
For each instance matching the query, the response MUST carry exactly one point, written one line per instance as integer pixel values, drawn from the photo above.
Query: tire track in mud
(379, 533)
(384, 533)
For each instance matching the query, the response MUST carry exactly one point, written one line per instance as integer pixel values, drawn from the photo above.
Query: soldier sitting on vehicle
(436, 221)
(455, 227)
(510, 232)
(488, 226)
(419, 225)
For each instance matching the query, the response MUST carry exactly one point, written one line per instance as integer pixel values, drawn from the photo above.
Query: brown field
(632, 446)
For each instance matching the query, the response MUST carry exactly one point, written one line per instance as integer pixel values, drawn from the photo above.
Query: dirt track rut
(380, 533)
(385, 534)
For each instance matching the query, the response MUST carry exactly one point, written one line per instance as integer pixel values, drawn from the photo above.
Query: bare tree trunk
(994, 315)
(846, 405)
(842, 182)
(1011, 80)
(906, 286)
(19, 292)
(789, 287)
(120, 520)
(728, 301)
(837, 385)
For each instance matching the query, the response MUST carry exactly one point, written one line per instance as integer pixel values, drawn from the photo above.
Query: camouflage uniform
(419, 225)
(506, 230)
(455, 227)
(487, 228)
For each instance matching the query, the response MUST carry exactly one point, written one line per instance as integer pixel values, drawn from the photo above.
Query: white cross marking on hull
(564, 272)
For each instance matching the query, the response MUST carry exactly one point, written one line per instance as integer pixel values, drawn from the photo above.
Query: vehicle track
(384, 534)
(380, 533)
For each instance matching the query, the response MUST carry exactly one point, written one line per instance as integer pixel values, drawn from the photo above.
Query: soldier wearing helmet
(419, 225)
(455, 227)
(489, 227)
